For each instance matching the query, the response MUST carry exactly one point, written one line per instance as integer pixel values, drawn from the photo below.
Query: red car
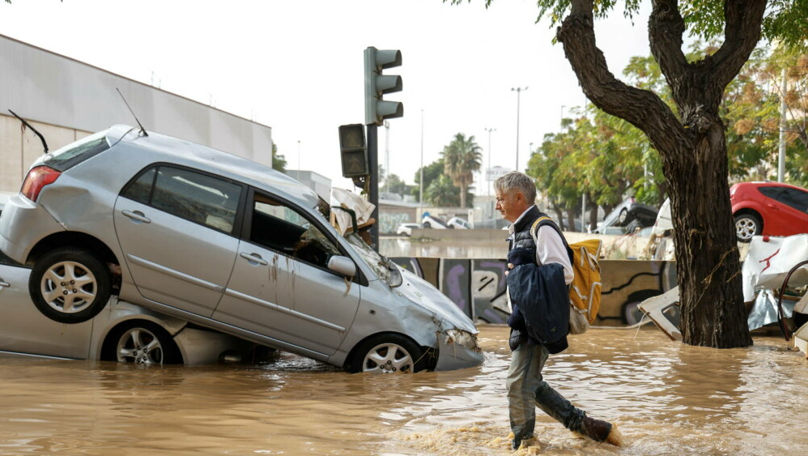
(768, 208)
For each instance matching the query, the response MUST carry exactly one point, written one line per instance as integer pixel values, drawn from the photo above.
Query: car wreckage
(225, 243)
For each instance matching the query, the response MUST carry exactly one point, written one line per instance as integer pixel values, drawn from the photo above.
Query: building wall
(20, 147)
(69, 99)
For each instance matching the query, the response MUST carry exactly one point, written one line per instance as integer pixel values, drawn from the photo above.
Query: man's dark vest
(524, 240)
(521, 231)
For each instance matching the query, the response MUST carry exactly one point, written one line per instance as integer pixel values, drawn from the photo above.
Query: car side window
(279, 227)
(187, 194)
(788, 196)
(796, 199)
(140, 189)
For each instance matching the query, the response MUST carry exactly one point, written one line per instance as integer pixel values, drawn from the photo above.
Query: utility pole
(518, 91)
(781, 160)
(421, 177)
(488, 170)
(386, 155)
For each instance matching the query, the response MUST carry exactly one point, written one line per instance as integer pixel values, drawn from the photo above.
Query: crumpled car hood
(424, 294)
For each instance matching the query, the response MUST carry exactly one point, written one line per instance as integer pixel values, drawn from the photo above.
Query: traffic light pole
(373, 184)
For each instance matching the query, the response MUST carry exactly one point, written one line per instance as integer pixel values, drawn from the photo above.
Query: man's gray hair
(515, 180)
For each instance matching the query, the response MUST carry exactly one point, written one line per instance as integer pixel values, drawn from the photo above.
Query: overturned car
(225, 243)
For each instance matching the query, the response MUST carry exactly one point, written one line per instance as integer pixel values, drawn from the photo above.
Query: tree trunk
(707, 257)
(693, 151)
(463, 195)
(571, 219)
(593, 217)
(559, 216)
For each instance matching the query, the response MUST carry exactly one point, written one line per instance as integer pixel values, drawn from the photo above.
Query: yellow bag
(586, 285)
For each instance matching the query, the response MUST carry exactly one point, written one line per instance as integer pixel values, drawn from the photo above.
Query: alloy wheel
(388, 357)
(139, 346)
(68, 287)
(745, 228)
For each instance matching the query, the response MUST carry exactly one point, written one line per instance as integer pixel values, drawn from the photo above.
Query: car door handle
(254, 258)
(4, 284)
(136, 215)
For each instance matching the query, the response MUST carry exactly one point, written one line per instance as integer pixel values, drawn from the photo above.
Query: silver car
(225, 243)
(121, 332)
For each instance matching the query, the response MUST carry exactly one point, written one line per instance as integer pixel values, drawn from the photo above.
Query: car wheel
(388, 353)
(747, 225)
(427, 225)
(142, 342)
(70, 285)
(621, 219)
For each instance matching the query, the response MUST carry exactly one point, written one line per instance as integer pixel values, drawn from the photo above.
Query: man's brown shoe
(600, 431)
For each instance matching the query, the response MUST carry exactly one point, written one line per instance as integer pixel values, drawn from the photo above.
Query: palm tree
(460, 159)
(441, 192)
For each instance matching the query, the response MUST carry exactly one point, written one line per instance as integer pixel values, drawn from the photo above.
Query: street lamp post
(518, 91)
(421, 178)
(488, 170)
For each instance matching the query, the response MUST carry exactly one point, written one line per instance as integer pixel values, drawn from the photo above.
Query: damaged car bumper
(457, 349)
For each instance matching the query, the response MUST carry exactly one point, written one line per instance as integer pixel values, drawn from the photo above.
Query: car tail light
(37, 179)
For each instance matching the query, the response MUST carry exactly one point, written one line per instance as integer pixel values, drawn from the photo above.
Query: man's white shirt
(549, 248)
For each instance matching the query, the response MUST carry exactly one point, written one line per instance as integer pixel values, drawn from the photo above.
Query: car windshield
(384, 268)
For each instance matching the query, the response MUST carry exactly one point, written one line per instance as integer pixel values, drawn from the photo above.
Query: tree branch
(665, 30)
(741, 34)
(642, 108)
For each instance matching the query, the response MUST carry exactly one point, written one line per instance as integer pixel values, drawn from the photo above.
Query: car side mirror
(342, 265)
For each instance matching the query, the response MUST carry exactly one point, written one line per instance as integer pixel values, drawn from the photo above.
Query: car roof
(768, 184)
(174, 150)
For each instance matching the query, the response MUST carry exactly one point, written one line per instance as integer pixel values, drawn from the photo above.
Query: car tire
(622, 217)
(388, 353)
(427, 225)
(70, 285)
(747, 225)
(141, 342)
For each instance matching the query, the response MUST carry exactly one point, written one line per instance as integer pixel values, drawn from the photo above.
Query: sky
(297, 66)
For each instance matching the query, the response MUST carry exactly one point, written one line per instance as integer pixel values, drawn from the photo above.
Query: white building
(65, 100)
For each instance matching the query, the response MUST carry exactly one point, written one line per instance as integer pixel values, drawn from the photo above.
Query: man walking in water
(516, 193)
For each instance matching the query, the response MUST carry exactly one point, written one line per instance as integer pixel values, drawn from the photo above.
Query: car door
(797, 201)
(785, 212)
(23, 329)
(281, 286)
(176, 228)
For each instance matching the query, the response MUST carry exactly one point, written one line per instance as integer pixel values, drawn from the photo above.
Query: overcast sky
(296, 65)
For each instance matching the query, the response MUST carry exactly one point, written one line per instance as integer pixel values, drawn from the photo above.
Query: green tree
(278, 160)
(442, 192)
(432, 172)
(461, 158)
(690, 138)
(394, 184)
(752, 110)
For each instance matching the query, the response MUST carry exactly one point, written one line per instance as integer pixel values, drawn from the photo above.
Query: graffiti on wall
(478, 287)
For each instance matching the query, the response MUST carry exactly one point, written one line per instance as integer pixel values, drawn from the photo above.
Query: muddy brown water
(667, 398)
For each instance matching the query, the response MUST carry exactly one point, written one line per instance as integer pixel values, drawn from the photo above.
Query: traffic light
(353, 151)
(377, 84)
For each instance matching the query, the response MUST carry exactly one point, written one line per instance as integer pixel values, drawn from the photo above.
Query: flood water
(667, 398)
